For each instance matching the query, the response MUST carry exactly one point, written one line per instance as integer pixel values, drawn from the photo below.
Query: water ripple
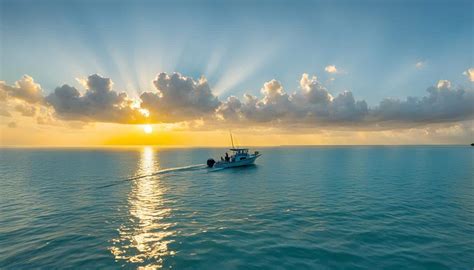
(299, 208)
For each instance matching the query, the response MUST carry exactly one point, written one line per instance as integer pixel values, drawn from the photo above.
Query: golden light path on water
(144, 239)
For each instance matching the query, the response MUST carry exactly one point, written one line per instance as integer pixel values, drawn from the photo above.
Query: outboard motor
(210, 162)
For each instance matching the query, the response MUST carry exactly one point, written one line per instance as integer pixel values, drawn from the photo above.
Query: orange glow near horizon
(29, 134)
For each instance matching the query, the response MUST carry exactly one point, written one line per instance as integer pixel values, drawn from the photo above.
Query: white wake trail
(159, 172)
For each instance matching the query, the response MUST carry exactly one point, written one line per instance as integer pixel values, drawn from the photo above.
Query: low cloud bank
(313, 105)
(442, 104)
(177, 98)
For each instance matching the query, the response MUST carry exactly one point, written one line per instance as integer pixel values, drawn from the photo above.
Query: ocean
(354, 207)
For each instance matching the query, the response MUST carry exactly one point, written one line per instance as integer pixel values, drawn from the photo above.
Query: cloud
(179, 98)
(469, 74)
(316, 104)
(26, 109)
(442, 104)
(3, 92)
(313, 105)
(230, 109)
(46, 116)
(99, 103)
(331, 69)
(443, 84)
(176, 98)
(24, 89)
(420, 64)
(275, 103)
(24, 97)
(12, 125)
(4, 112)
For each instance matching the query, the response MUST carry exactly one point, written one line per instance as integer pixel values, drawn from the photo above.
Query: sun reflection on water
(144, 239)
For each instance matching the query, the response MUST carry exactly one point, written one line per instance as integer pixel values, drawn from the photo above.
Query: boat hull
(245, 162)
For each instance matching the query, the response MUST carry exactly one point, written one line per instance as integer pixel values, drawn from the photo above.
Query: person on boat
(227, 157)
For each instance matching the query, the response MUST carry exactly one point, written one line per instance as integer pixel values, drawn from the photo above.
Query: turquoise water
(298, 208)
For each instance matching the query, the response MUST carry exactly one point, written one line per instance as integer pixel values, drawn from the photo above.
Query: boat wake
(195, 167)
(171, 170)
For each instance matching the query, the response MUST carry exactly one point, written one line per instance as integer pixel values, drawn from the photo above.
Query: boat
(239, 157)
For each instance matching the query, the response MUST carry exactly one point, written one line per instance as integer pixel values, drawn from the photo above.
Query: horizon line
(216, 146)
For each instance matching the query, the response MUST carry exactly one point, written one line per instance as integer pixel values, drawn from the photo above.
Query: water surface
(298, 208)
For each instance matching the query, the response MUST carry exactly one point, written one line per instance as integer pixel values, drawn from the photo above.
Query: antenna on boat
(231, 139)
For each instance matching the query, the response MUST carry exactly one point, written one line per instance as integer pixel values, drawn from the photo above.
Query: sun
(147, 129)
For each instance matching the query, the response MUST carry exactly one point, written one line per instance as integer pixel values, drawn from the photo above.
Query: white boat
(239, 157)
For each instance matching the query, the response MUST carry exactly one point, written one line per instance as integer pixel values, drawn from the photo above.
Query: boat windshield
(240, 151)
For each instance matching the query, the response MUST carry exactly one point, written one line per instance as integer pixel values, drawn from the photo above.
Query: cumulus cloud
(230, 109)
(179, 98)
(318, 105)
(24, 97)
(443, 103)
(331, 69)
(274, 104)
(12, 125)
(99, 103)
(314, 105)
(24, 89)
(469, 74)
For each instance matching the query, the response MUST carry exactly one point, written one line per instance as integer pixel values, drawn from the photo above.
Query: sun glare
(148, 129)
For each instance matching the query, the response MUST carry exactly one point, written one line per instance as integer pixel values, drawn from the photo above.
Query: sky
(275, 72)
